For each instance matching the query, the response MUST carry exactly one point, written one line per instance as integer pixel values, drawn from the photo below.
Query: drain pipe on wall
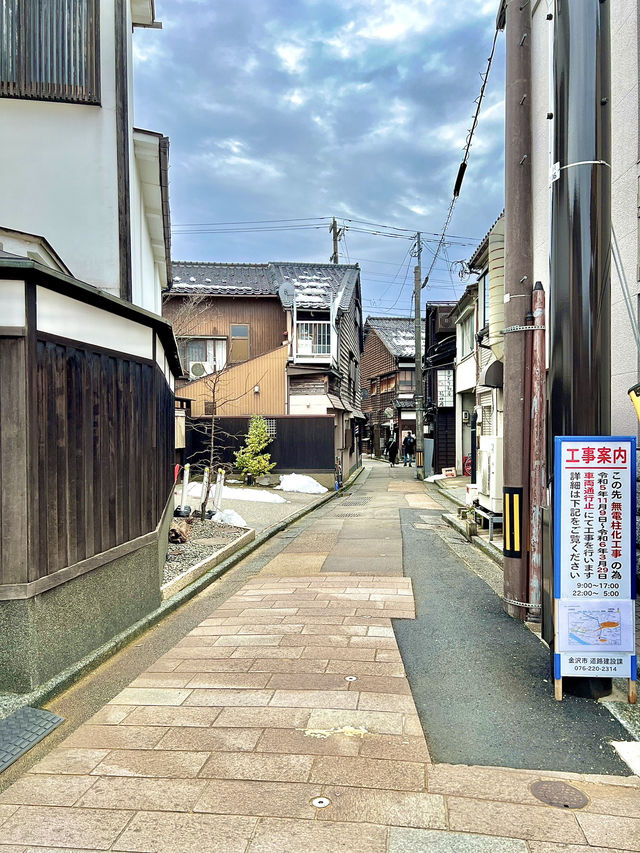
(538, 482)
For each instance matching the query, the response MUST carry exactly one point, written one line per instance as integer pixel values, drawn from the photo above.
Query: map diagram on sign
(595, 628)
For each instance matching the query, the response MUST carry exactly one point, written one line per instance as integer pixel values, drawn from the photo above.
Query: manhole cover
(321, 802)
(559, 794)
(22, 730)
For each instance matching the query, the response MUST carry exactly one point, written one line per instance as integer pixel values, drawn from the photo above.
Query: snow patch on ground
(300, 483)
(230, 516)
(259, 495)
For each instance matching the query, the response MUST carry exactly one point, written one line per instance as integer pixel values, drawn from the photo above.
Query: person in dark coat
(408, 449)
(393, 451)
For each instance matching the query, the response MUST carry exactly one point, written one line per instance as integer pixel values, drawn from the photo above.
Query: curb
(45, 692)
(477, 541)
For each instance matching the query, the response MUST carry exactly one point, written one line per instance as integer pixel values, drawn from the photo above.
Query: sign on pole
(594, 558)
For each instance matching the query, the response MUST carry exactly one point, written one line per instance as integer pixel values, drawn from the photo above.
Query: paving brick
(513, 820)
(222, 665)
(337, 653)
(194, 652)
(154, 763)
(276, 799)
(228, 698)
(231, 680)
(610, 830)
(395, 748)
(394, 808)
(250, 640)
(64, 827)
(116, 792)
(110, 715)
(76, 761)
(379, 722)
(320, 698)
(286, 718)
(114, 737)
(288, 665)
(297, 741)
(385, 702)
(326, 639)
(306, 681)
(159, 715)
(160, 679)
(366, 668)
(150, 696)
(436, 841)
(212, 739)
(277, 836)
(258, 766)
(163, 665)
(6, 812)
(397, 686)
(192, 833)
(47, 790)
(369, 773)
(268, 652)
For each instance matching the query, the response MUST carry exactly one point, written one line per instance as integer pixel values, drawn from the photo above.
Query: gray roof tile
(397, 334)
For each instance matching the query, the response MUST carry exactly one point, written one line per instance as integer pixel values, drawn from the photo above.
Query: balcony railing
(313, 341)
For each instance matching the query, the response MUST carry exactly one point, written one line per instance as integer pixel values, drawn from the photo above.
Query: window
(239, 343)
(211, 350)
(405, 380)
(271, 426)
(314, 338)
(373, 386)
(485, 300)
(466, 335)
(388, 383)
(49, 50)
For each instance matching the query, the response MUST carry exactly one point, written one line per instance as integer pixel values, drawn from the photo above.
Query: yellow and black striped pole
(512, 515)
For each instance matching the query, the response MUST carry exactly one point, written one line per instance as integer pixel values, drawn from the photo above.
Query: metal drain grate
(347, 515)
(362, 501)
(559, 794)
(22, 730)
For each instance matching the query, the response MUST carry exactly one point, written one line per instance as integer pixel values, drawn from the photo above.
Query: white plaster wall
(308, 404)
(58, 173)
(145, 277)
(624, 208)
(466, 373)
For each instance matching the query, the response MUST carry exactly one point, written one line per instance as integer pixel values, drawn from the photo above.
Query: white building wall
(58, 172)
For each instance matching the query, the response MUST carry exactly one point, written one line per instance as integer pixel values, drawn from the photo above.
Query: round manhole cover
(559, 794)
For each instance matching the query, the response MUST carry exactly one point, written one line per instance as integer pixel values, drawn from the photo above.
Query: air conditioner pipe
(474, 423)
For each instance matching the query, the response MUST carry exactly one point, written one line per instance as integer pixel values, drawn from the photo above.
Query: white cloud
(291, 56)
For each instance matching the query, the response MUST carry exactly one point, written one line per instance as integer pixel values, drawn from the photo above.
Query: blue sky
(307, 109)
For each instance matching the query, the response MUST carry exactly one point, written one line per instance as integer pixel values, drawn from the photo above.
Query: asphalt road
(480, 679)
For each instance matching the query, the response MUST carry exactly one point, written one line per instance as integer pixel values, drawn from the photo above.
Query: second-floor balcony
(313, 341)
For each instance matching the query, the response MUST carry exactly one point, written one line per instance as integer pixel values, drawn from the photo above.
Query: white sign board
(445, 389)
(594, 556)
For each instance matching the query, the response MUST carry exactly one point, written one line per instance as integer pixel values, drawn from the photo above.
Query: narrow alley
(285, 709)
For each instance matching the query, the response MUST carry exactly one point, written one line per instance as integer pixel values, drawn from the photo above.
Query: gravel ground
(205, 538)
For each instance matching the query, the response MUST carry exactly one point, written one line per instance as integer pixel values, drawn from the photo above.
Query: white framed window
(210, 350)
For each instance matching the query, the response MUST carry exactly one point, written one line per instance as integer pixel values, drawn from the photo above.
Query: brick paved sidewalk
(293, 689)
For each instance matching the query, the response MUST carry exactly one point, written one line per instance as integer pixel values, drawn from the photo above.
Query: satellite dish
(286, 293)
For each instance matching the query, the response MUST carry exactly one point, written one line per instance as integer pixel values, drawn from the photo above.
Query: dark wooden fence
(105, 445)
(301, 442)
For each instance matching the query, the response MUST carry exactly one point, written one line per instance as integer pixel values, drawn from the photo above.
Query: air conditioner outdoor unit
(490, 479)
(466, 417)
(198, 369)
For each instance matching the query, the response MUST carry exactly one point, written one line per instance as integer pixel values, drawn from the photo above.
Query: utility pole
(337, 233)
(518, 273)
(418, 378)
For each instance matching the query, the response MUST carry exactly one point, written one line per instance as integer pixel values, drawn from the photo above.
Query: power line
(463, 166)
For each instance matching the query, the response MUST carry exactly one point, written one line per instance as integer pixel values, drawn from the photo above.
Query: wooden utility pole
(518, 271)
(418, 380)
(337, 233)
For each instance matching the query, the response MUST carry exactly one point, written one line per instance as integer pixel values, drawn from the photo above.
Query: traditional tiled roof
(192, 277)
(314, 285)
(397, 334)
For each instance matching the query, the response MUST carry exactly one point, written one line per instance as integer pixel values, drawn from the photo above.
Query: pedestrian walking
(393, 451)
(408, 449)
